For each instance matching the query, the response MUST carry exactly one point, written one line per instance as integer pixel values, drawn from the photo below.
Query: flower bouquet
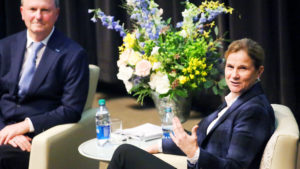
(171, 60)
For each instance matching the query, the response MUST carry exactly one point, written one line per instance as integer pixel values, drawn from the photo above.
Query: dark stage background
(273, 23)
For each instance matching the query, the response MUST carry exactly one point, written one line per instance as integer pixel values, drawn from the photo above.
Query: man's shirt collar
(44, 41)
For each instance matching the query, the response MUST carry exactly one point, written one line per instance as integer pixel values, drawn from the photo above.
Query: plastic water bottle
(102, 123)
(166, 125)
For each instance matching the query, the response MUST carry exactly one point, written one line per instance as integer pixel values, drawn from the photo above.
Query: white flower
(134, 57)
(159, 82)
(129, 56)
(143, 68)
(128, 85)
(125, 73)
(183, 33)
(90, 10)
(161, 11)
(131, 2)
(155, 50)
(121, 63)
(156, 65)
(124, 57)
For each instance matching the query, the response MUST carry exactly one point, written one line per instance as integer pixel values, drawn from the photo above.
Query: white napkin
(144, 132)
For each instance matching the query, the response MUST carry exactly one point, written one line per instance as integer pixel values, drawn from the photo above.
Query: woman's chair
(281, 149)
(56, 148)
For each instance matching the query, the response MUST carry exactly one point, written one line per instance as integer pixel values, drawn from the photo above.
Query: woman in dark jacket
(233, 137)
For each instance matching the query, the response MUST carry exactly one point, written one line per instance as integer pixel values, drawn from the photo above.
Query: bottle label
(103, 131)
(166, 133)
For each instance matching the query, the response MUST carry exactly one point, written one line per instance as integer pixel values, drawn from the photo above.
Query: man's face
(39, 17)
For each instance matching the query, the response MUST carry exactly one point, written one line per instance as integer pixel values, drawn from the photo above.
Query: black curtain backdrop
(273, 23)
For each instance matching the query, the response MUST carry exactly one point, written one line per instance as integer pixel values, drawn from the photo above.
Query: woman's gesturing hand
(187, 143)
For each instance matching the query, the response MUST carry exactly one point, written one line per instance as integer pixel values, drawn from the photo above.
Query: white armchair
(281, 150)
(56, 148)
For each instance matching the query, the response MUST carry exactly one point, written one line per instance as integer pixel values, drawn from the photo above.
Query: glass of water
(116, 136)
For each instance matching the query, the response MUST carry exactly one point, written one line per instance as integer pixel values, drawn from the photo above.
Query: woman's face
(240, 73)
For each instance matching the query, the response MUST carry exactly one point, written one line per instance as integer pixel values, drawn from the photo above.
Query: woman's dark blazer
(238, 138)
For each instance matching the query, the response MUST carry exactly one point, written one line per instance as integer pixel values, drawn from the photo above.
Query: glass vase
(181, 106)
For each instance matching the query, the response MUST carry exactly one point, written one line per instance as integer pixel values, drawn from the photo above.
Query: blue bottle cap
(168, 109)
(101, 102)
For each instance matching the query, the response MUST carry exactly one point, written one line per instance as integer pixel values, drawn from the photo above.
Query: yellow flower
(229, 10)
(129, 40)
(206, 34)
(192, 76)
(204, 73)
(210, 44)
(212, 24)
(182, 79)
(150, 58)
(197, 72)
(121, 48)
(199, 62)
(201, 9)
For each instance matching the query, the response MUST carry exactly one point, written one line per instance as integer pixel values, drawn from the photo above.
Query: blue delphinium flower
(137, 35)
(142, 44)
(202, 18)
(137, 80)
(100, 13)
(147, 15)
(213, 13)
(108, 21)
(179, 24)
(200, 28)
(93, 19)
(122, 33)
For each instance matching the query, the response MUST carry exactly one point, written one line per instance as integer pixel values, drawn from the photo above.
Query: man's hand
(24, 142)
(10, 131)
(187, 143)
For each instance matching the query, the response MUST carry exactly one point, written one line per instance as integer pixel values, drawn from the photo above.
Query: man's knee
(11, 157)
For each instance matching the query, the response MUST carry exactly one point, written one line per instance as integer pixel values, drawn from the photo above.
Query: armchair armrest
(57, 147)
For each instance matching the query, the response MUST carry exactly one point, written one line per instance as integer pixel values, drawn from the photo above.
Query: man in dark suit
(39, 87)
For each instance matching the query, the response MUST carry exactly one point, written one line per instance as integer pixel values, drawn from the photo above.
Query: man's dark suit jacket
(58, 90)
(238, 138)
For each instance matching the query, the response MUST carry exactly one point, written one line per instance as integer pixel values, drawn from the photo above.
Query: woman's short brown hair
(252, 48)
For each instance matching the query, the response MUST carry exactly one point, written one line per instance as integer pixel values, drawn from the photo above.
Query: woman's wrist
(193, 159)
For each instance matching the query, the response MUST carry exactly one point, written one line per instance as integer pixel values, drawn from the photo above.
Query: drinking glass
(116, 136)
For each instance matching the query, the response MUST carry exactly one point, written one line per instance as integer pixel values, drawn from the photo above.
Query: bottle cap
(168, 109)
(101, 102)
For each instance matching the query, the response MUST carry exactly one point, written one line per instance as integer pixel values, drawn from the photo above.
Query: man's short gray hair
(56, 3)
